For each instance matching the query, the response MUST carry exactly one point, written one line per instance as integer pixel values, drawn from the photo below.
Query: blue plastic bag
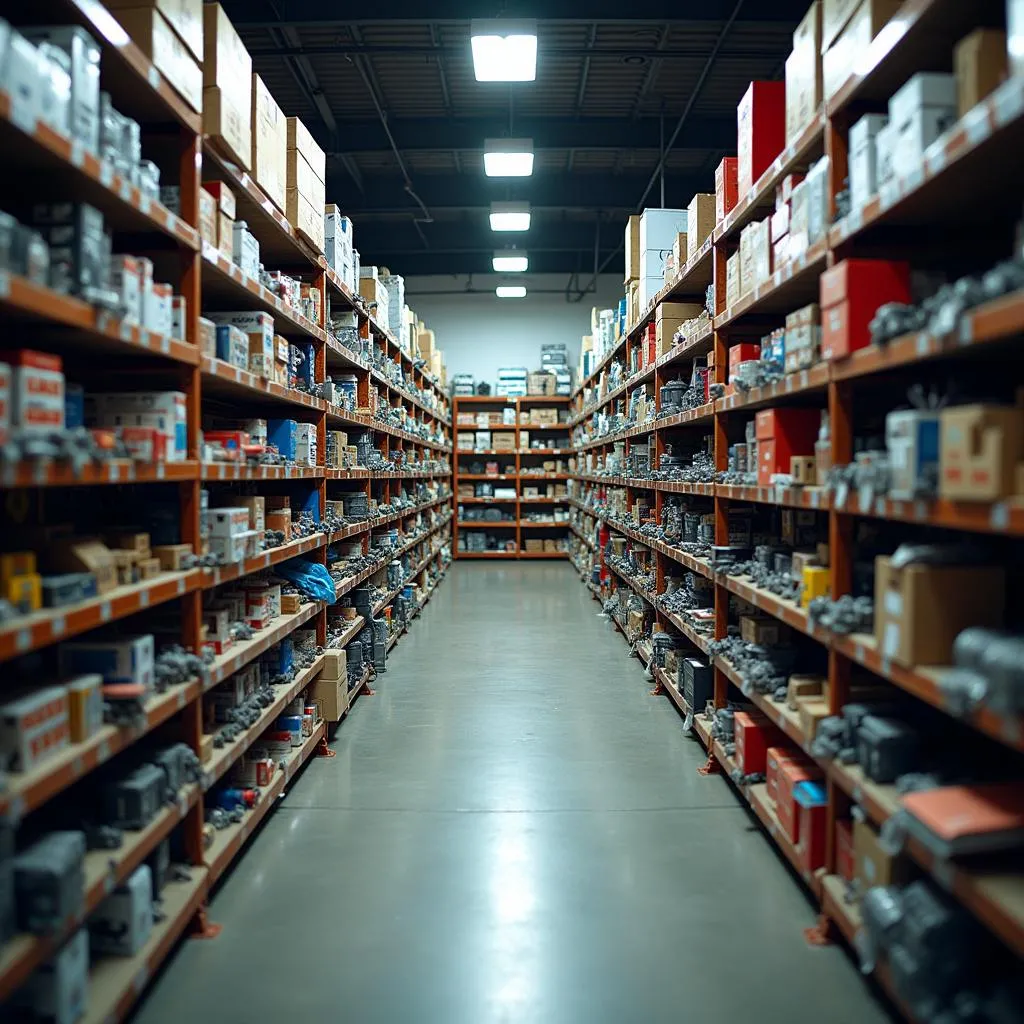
(311, 578)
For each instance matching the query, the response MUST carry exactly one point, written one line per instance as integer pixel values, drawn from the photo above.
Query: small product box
(980, 61)
(232, 345)
(790, 773)
(803, 338)
(851, 294)
(912, 444)
(812, 808)
(283, 434)
(982, 450)
(58, 990)
(700, 222)
(207, 217)
(920, 609)
(126, 280)
(245, 250)
(33, 726)
(124, 659)
(85, 706)
(305, 444)
(123, 921)
(922, 110)
(726, 187)
(164, 411)
(259, 328)
(781, 434)
(754, 735)
(864, 159)
(36, 391)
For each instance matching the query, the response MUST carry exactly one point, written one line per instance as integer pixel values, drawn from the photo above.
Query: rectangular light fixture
(504, 50)
(511, 291)
(508, 158)
(510, 261)
(510, 216)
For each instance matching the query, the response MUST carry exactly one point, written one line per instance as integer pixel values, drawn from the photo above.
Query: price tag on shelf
(889, 194)
(977, 126)
(5, 284)
(1009, 101)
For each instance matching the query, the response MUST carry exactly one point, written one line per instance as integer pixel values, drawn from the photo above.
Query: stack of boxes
(306, 192)
(339, 247)
(847, 29)
(227, 87)
(804, 74)
(269, 142)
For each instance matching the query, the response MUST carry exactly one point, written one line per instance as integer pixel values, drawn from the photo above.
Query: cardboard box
(804, 74)
(812, 808)
(811, 713)
(873, 864)
(227, 84)
(920, 609)
(152, 33)
(632, 249)
(754, 735)
(335, 664)
(84, 555)
(228, 126)
(802, 687)
(980, 452)
(851, 293)
(184, 16)
(781, 434)
(331, 696)
(840, 56)
(790, 774)
(981, 65)
(733, 282)
(301, 141)
(269, 143)
(762, 630)
(700, 220)
(834, 16)
(775, 758)
(761, 131)
(726, 187)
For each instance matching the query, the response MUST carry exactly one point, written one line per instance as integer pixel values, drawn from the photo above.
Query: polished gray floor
(513, 832)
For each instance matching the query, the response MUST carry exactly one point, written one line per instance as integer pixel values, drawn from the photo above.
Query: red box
(761, 131)
(781, 434)
(775, 758)
(851, 293)
(649, 352)
(754, 735)
(813, 813)
(741, 353)
(789, 774)
(845, 860)
(726, 195)
(144, 444)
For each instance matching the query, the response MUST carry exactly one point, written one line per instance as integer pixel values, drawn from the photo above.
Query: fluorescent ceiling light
(504, 51)
(510, 216)
(510, 261)
(511, 291)
(508, 158)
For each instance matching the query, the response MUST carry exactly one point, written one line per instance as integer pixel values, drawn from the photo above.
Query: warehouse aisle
(512, 831)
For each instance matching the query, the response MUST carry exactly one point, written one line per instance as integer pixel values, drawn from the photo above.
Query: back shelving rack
(522, 465)
(913, 219)
(97, 349)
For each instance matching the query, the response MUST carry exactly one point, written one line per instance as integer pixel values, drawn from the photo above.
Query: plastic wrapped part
(49, 882)
(887, 748)
(133, 801)
(881, 912)
(312, 578)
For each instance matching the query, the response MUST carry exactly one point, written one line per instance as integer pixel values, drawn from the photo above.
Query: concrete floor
(512, 832)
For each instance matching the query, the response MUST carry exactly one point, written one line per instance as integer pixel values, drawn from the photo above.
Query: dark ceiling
(393, 100)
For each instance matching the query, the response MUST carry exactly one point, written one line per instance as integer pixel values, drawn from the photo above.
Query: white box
(121, 924)
(33, 726)
(37, 393)
(817, 201)
(245, 250)
(649, 287)
(885, 156)
(652, 263)
(19, 78)
(126, 280)
(158, 316)
(168, 406)
(916, 134)
(250, 322)
(925, 89)
(659, 228)
(863, 163)
(58, 991)
(127, 659)
(228, 522)
(305, 444)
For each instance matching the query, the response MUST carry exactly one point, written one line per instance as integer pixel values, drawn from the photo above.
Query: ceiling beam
(583, 192)
(591, 133)
(427, 261)
(475, 236)
(337, 13)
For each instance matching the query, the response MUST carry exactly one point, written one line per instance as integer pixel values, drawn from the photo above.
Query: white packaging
(58, 991)
(659, 228)
(126, 280)
(37, 393)
(395, 285)
(5, 402)
(817, 201)
(168, 408)
(649, 287)
(179, 314)
(121, 924)
(245, 250)
(305, 444)
(127, 659)
(1015, 35)
(33, 726)
(863, 161)
(229, 550)
(19, 78)
(250, 323)
(885, 163)
(55, 88)
(228, 522)
(903, 437)
(160, 316)
(652, 263)
(257, 431)
(916, 134)
(925, 89)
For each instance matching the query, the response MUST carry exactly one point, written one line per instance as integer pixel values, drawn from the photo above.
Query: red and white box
(5, 403)
(34, 726)
(145, 444)
(36, 390)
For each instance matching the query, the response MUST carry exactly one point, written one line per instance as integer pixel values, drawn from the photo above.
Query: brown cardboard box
(335, 664)
(84, 555)
(801, 469)
(534, 545)
(172, 555)
(980, 62)
(303, 179)
(137, 542)
(307, 219)
(300, 140)
(331, 695)
(290, 604)
(505, 441)
(154, 36)
(225, 236)
(206, 747)
(184, 16)
(980, 449)
(804, 74)
(700, 220)
(834, 16)
(873, 865)
(425, 342)
(257, 506)
(839, 58)
(269, 143)
(633, 252)
(207, 217)
(799, 688)
(811, 713)
(670, 316)
(755, 629)
(149, 568)
(228, 126)
(920, 609)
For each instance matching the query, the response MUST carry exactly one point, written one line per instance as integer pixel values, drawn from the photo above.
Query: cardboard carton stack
(803, 74)
(269, 143)
(227, 87)
(306, 193)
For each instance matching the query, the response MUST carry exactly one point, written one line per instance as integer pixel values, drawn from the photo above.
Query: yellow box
(269, 143)
(85, 706)
(817, 580)
(16, 563)
(25, 592)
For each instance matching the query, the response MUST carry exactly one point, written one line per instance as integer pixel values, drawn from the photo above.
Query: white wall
(480, 332)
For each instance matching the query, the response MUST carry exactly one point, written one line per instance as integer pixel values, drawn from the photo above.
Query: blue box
(74, 406)
(283, 435)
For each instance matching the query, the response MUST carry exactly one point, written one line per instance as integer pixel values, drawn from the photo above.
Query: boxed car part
(781, 434)
(79, 248)
(789, 775)
(58, 990)
(864, 159)
(227, 81)
(980, 60)
(912, 444)
(33, 726)
(851, 293)
(851, 42)
(163, 411)
(919, 112)
(49, 882)
(85, 706)
(981, 450)
(761, 131)
(803, 74)
(921, 608)
(245, 250)
(812, 807)
(123, 921)
(132, 802)
(754, 735)
(121, 659)
(36, 390)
